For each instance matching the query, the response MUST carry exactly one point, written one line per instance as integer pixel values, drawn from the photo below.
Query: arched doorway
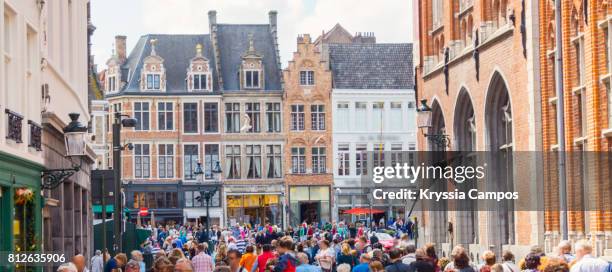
(498, 118)
(438, 228)
(464, 131)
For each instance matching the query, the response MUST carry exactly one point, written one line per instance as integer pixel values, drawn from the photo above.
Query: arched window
(498, 114)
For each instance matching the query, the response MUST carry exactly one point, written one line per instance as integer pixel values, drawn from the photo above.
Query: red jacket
(262, 260)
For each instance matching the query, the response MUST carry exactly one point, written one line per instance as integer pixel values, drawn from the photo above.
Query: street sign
(143, 211)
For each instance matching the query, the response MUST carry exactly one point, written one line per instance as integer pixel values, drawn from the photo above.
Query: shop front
(348, 198)
(194, 209)
(20, 204)
(254, 209)
(310, 204)
(162, 201)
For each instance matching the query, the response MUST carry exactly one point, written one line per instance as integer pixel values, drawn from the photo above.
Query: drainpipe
(560, 120)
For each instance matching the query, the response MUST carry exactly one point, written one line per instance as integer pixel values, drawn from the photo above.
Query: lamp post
(207, 194)
(74, 139)
(424, 122)
(119, 122)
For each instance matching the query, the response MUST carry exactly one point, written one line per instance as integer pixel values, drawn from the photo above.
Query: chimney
(272, 14)
(364, 37)
(212, 17)
(120, 47)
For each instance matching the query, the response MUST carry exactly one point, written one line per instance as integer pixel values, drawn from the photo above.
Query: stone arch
(500, 143)
(464, 123)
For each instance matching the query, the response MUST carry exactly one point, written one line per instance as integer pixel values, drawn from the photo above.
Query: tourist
(430, 250)
(325, 256)
(249, 258)
(163, 264)
(376, 266)
(409, 254)
(460, 261)
(286, 260)
(508, 262)
(183, 265)
(202, 262)
(79, 262)
(488, 258)
(137, 256)
(97, 263)
(345, 256)
(557, 265)
(395, 263)
(421, 262)
(565, 251)
(585, 262)
(343, 268)
(115, 264)
(234, 256)
(133, 266)
(364, 263)
(67, 267)
(305, 266)
(532, 261)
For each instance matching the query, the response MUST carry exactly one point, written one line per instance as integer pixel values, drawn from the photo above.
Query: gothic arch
(464, 123)
(499, 135)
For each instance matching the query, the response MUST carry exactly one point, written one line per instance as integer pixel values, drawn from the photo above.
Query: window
(253, 153)
(273, 157)
(397, 156)
(190, 161)
(317, 114)
(273, 116)
(165, 113)
(153, 82)
(437, 11)
(307, 78)
(361, 156)
(199, 82)
(142, 160)
(318, 160)
(342, 118)
(211, 117)
(165, 161)
(361, 114)
(232, 117)
(190, 117)
(112, 83)
(141, 113)
(396, 114)
(251, 79)
(192, 199)
(609, 94)
(253, 111)
(580, 66)
(211, 157)
(232, 161)
(297, 117)
(378, 155)
(581, 117)
(156, 200)
(344, 168)
(298, 160)
(607, 29)
(188, 198)
(378, 115)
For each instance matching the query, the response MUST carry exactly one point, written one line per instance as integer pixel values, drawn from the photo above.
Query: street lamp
(121, 120)
(206, 194)
(74, 139)
(424, 122)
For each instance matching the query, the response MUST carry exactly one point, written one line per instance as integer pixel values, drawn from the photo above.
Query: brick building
(209, 98)
(476, 67)
(308, 130)
(587, 66)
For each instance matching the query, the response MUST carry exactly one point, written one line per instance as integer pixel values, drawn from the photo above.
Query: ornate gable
(112, 82)
(153, 74)
(252, 70)
(199, 77)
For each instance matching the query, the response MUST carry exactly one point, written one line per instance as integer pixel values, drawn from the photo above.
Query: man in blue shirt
(364, 263)
(304, 265)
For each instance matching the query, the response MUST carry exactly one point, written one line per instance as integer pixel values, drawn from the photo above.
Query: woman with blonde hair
(346, 257)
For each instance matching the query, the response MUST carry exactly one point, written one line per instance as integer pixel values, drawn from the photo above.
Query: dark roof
(233, 42)
(177, 52)
(371, 66)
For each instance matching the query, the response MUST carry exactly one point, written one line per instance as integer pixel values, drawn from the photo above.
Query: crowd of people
(330, 248)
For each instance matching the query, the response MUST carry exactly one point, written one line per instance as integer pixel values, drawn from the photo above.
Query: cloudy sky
(390, 20)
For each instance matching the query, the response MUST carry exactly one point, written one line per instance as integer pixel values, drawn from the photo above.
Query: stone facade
(308, 129)
(471, 67)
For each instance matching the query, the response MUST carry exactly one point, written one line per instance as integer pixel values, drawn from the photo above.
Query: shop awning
(363, 211)
(197, 213)
(98, 208)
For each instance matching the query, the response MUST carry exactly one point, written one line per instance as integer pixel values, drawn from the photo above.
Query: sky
(390, 20)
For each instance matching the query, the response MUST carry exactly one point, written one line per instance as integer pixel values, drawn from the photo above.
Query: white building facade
(374, 120)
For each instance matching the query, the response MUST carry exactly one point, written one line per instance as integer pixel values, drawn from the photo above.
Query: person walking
(202, 262)
(249, 258)
(304, 265)
(364, 264)
(585, 262)
(421, 263)
(286, 260)
(325, 256)
(396, 264)
(234, 256)
(97, 263)
(262, 259)
(345, 256)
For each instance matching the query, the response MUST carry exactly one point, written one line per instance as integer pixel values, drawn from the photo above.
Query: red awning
(363, 211)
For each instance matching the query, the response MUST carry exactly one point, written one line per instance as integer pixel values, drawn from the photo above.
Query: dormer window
(153, 75)
(112, 84)
(251, 71)
(198, 73)
(153, 82)
(112, 81)
(251, 79)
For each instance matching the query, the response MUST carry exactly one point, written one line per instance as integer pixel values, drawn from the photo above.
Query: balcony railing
(35, 135)
(14, 128)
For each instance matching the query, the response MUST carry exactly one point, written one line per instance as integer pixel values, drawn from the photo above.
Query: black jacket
(398, 266)
(421, 266)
